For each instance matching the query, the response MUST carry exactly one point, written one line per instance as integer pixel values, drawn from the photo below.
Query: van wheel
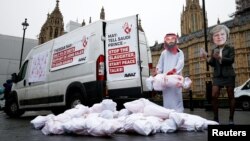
(245, 104)
(75, 99)
(12, 108)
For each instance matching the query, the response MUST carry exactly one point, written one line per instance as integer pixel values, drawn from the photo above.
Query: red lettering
(116, 70)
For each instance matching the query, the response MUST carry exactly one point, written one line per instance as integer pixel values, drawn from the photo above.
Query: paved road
(21, 129)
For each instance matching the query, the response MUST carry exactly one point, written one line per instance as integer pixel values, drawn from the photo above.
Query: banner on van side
(38, 67)
(71, 49)
(122, 49)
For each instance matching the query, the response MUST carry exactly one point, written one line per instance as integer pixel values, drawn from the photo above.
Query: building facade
(10, 54)
(53, 27)
(191, 17)
(193, 40)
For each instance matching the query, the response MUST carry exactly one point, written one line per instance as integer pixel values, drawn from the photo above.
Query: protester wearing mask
(222, 59)
(171, 62)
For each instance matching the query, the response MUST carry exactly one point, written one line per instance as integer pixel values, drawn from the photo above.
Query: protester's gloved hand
(154, 72)
(173, 71)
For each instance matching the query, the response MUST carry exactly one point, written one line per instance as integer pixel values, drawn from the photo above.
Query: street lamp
(208, 83)
(205, 27)
(25, 25)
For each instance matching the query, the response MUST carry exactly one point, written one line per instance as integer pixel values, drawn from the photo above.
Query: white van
(242, 95)
(105, 59)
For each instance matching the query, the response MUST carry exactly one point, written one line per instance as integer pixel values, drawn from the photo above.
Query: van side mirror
(14, 77)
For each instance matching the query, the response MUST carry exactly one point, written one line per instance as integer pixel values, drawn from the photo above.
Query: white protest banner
(70, 49)
(38, 67)
(122, 49)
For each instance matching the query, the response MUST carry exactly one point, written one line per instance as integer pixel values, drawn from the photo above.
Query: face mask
(169, 45)
(170, 41)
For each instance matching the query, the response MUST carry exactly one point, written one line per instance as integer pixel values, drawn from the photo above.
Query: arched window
(56, 32)
(50, 32)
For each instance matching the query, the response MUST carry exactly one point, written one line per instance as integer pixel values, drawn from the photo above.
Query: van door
(37, 92)
(21, 85)
(122, 57)
(145, 58)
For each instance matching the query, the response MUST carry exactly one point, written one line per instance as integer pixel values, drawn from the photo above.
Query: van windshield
(247, 86)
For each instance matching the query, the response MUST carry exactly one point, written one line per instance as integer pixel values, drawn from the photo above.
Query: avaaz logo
(129, 74)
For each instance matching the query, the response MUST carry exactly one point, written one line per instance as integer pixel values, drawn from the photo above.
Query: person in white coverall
(171, 62)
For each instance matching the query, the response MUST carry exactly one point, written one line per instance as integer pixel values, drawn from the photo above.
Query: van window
(22, 72)
(247, 86)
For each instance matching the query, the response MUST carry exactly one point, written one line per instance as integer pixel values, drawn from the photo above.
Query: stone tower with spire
(102, 14)
(191, 17)
(139, 25)
(53, 27)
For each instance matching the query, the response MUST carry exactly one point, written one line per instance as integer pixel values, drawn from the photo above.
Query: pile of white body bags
(102, 119)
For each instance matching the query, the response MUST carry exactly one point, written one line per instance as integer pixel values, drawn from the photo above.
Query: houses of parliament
(54, 25)
(192, 39)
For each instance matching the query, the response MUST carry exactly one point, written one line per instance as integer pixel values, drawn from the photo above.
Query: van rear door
(122, 58)
(146, 59)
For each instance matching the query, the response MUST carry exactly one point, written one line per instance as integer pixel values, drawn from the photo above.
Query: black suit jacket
(225, 68)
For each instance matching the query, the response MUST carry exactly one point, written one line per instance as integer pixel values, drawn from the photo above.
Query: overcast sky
(158, 16)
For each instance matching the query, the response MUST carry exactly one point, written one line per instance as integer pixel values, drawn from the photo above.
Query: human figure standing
(7, 88)
(171, 61)
(222, 59)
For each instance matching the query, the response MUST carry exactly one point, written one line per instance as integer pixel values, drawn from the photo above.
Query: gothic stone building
(54, 25)
(192, 40)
